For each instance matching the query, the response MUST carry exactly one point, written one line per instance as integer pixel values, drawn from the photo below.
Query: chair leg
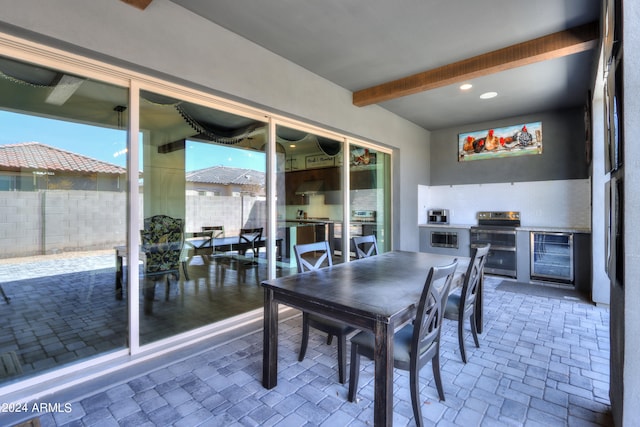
(342, 358)
(474, 330)
(415, 392)
(461, 340)
(149, 292)
(305, 337)
(185, 270)
(435, 364)
(329, 339)
(166, 288)
(354, 373)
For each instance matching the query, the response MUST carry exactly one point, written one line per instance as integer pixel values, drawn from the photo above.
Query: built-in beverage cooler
(552, 256)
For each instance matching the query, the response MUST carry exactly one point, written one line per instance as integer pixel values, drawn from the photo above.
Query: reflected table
(193, 247)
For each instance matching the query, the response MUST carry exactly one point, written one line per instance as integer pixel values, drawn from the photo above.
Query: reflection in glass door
(63, 209)
(370, 195)
(203, 215)
(309, 193)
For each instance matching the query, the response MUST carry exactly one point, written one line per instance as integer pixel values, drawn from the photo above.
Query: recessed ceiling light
(488, 95)
(466, 86)
(292, 145)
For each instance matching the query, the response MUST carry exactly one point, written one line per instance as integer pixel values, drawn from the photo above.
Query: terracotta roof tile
(34, 155)
(226, 175)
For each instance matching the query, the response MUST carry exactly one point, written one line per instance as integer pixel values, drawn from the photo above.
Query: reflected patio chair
(365, 246)
(462, 306)
(162, 242)
(246, 257)
(216, 232)
(416, 343)
(312, 256)
(202, 244)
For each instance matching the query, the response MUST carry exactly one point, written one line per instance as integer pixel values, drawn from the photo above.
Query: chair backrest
(217, 231)
(365, 246)
(472, 280)
(251, 236)
(428, 322)
(162, 240)
(312, 256)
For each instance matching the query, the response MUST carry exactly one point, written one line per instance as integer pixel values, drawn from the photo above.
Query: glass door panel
(309, 193)
(370, 195)
(63, 204)
(204, 169)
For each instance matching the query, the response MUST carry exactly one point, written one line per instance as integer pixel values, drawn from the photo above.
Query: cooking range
(499, 230)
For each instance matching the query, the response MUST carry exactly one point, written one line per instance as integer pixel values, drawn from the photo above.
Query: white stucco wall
(172, 42)
(631, 292)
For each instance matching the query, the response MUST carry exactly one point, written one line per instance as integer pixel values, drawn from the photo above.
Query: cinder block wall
(55, 221)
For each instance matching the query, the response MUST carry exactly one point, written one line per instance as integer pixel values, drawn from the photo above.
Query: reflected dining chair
(415, 344)
(248, 242)
(462, 306)
(162, 242)
(216, 232)
(365, 246)
(312, 256)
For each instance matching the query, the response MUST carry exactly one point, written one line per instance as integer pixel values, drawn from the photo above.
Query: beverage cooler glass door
(552, 256)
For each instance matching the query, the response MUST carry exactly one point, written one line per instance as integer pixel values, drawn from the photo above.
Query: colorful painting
(517, 140)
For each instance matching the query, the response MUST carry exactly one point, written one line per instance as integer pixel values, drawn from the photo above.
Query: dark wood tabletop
(378, 294)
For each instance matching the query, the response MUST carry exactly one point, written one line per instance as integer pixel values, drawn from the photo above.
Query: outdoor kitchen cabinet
(445, 240)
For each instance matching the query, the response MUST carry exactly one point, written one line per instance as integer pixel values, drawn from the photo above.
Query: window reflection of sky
(109, 145)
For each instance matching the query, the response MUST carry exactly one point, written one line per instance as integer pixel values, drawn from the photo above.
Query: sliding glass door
(202, 175)
(370, 194)
(309, 193)
(130, 217)
(63, 209)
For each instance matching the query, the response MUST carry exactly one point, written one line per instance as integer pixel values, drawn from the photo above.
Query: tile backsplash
(541, 203)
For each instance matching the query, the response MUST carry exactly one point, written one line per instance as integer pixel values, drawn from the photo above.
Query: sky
(109, 145)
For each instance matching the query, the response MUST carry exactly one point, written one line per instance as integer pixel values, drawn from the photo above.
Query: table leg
(383, 387)
(119, 274)
(270, 341)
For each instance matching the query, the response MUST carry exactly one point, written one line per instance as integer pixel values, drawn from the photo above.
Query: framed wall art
(517, 140)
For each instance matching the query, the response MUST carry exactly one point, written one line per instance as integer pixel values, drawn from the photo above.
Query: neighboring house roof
(226, 175)
(34, 155)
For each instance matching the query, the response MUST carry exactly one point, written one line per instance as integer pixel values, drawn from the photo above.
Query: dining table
(378, 294)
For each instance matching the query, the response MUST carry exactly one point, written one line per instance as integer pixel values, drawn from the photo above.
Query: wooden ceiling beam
(140, 4)
(556, 45)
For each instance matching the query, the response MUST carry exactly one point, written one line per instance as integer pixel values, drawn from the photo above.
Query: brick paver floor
(542, 361)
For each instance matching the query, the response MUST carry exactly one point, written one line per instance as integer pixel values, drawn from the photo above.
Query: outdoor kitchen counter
(544, 228)
(550, 229)
(447, 225)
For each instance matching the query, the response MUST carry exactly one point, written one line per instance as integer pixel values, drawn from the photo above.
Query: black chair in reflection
(416, 343)
(215, 256)
(245, 258)
(462, 306)
(365, 246)
(162, 242)
(312, 256)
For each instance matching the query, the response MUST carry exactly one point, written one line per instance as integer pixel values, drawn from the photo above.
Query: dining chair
(462, 306)
(162, 240)
(365, 246)
(415, 344)
(313, 256)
